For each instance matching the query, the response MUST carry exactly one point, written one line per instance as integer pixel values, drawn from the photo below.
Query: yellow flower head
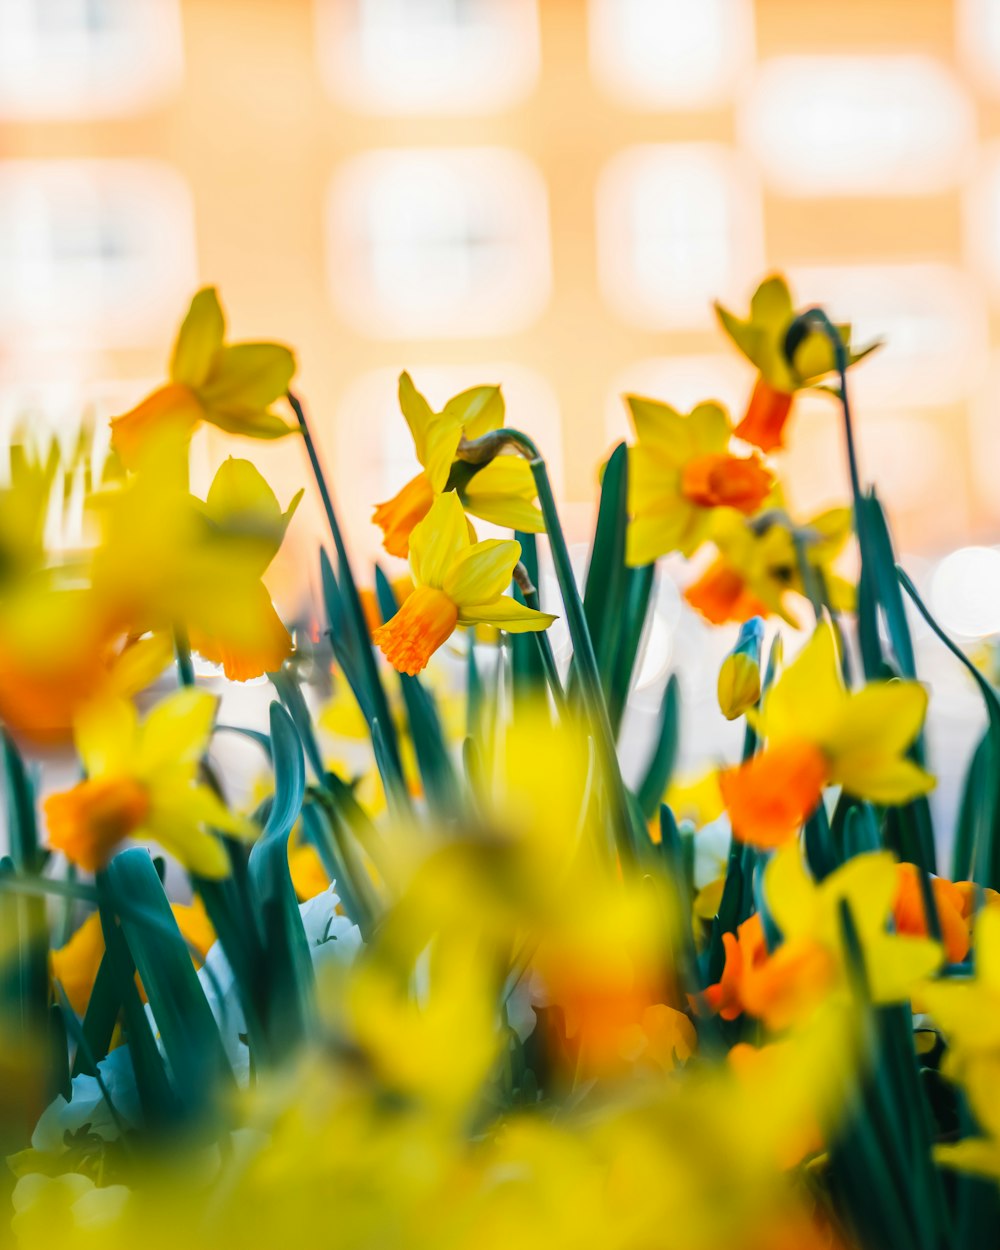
(142, 782)
(818, 733)
(458, 582)
(681, 472)
(761, 337)
(170, 559)
(757, 566)
(229, 385)
(501, 491)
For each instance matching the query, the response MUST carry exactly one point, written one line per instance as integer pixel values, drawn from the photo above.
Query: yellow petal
(418, 413)
(438, 540)
(440, 447)
(894, 965)
(244, 381)
(176, 730)
(809, 697)
(200, 337)
(791, 893)
(881, 777)
(661, 428)
(739, 684)
(105, 734)
(505, 613)
(771, 304)
(140, 663)
(987, 948)
(881, 719)
(482, 572)
(709, 429)
(478, 410)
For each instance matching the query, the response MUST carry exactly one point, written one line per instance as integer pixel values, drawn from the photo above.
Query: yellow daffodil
(967, 1010)
(76, 963)
(168, 559)
(762, 339)
(818, 734)
(229, 385)
(757, 566)
(680, 472)
(142, 782)
(811, 963)
(458, 582)
(501, 491)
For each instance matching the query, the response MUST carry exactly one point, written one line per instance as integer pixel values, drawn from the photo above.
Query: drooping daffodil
(681, 470)
(817, 734)
(458, 582)
(500, 491)
(783, 368)
(142, 782)
(757, 566)
(229, 385)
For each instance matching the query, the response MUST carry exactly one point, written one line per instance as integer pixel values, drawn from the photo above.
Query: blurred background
(542, 193)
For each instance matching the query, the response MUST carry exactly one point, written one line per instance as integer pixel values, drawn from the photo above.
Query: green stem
(350, 591)
(545, 652)
(182, 650)
(583, 652)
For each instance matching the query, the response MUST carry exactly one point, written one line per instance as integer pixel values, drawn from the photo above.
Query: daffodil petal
(440, 448)
(709, 429)
(418, 414)
(200, 337)
(177, 729)
(507, 614)
(245, 379)
(104, 732)
(660, 427)
(482, 572)
(809, 698)
(478, 410)
(438, 540)
(883, 717)
(881, 777)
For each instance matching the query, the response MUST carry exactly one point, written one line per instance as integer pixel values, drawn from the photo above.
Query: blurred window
(858, 125)
(678, 225)
(671, 54)
(95, 251)
(429, 56)
(450, 242)
(87, 58)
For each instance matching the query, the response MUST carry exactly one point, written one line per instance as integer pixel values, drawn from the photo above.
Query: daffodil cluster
(432, 949)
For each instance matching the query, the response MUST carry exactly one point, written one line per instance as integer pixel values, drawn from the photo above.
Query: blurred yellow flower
(231, 386)
(501, 491)
(76, 963)
(757, 566)
(784, 368)
(817, 734)
(458, 582)
(680, 472)
(142, 783)
(170, 560)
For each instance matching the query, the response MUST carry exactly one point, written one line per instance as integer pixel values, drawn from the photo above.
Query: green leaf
(183, 1017)
(634, 609)
(288, 966)
(605, 586)
(985, 856)
(661, 762)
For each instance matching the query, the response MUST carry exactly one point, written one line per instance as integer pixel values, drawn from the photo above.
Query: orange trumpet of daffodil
(458, 582)
(229, 385)
(817, 734)
(784, 986)
(142, 782)
(501, 491)
(762, 339)
(680, 472)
